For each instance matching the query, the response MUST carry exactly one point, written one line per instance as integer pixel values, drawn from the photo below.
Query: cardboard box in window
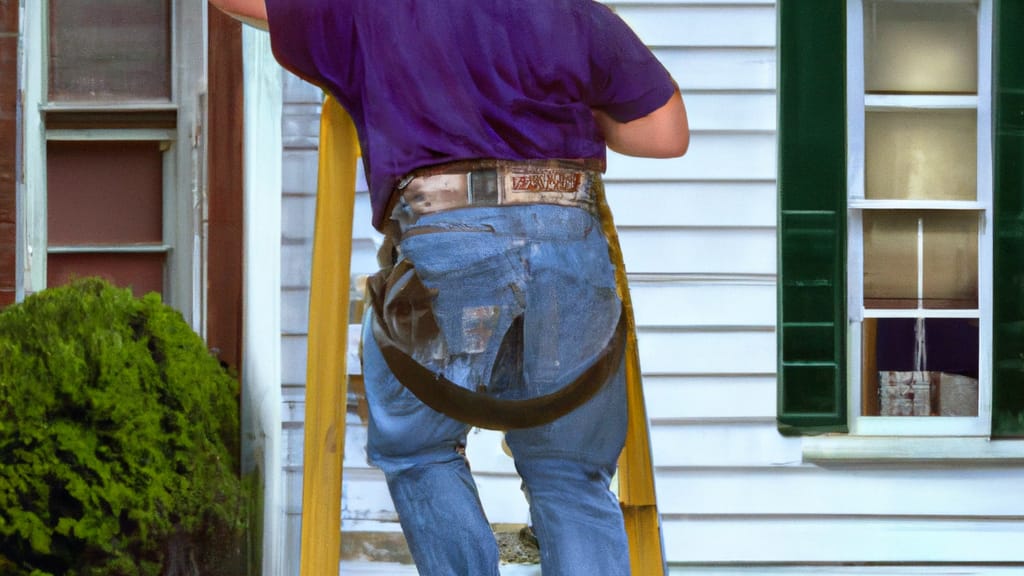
(924, 393)
(958, 395)
(905, 393)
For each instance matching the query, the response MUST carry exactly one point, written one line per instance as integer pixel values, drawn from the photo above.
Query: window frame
(858, 104)
(175, 124)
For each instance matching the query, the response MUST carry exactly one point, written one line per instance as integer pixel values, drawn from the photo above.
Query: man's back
(433, 82)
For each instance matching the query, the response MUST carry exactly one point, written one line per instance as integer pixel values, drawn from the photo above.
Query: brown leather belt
(500, 183)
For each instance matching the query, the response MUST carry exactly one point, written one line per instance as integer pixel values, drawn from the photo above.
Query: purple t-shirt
(434, 81)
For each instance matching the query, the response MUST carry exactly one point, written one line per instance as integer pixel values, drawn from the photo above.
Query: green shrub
(118, 437)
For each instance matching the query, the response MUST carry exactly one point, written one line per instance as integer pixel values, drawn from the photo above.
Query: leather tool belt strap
(398, 300)
(402, 314)
(499, 182)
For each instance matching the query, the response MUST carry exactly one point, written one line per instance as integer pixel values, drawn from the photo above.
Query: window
(96, 228)
(114, 152)
(106, 51)
(919, 199)
(901, 265)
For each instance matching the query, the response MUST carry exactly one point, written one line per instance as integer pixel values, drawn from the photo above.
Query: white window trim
(834, 450)
(184, 201)
(979, 426)
(34, 215)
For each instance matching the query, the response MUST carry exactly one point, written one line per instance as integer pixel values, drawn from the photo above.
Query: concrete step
(365, 550)
(391, 569)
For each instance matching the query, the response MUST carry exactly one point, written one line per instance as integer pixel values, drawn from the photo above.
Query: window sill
(841, 450)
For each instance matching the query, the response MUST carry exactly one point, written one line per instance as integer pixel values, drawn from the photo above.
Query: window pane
(104, 192)
(890, 260)
(110, 50)
(951, 260)
(921, 155)
(143, 273)
(943, 245)
(922, 47)
(920, 367)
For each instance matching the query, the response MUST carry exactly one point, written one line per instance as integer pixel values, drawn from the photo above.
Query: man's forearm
(252, 12)
(664, 133)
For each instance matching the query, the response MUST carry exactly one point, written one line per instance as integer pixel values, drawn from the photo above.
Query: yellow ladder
(327, 383)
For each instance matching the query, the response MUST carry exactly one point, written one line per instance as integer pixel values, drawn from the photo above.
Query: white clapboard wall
(698, 234)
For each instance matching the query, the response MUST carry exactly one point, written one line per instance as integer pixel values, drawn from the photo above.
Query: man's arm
(664, 133)
(252, 12)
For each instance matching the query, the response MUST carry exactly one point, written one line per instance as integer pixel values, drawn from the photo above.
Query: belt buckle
(482, 187)
(404, 182)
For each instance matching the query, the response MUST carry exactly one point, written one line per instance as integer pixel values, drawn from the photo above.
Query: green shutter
(1008, 226)
(812, 216)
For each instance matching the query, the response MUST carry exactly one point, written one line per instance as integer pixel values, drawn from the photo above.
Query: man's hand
(664, 133)
(252, 12)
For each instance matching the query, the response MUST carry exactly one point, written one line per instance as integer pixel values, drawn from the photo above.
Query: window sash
(858, 103)
(176, 124)
(74, 96)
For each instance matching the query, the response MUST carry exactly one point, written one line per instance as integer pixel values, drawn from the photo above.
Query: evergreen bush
(119, 438)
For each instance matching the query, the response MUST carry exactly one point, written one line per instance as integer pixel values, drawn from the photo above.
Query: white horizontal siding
(697, 25)
(868, 493)
(709, 397)
(293, 347)
(693, 2)
(674, 352)
(703, 304)
(721, 204)
(796, 539)
(365, 497)
(712, 156)
(957, 569)
(720, 68)
(746, 251)
(719, 111)
(740, 443)
(729, 468)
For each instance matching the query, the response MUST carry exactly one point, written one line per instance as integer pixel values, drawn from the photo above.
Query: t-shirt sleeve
(627, 80)
(308, 36)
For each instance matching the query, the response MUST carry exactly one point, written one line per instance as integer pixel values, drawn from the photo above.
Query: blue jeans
(543, 273)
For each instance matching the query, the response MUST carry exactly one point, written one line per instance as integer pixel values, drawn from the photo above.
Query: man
(483, 127)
